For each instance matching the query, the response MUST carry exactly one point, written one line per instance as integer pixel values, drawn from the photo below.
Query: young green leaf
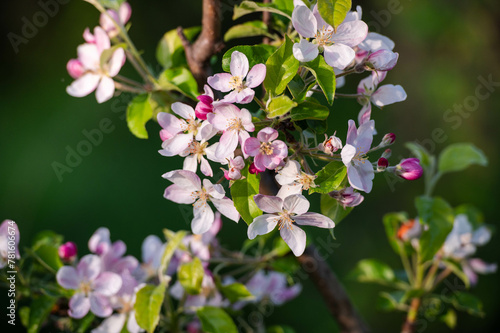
(39, 311)
(174, 240)
(449, 318)
(242, 193)
(170, 52)
(281, 68)
(426, 159)
(247, 29)
(334, 11)
(371, 270)
(309, 110)
(248, 7)
(279, 106)
(181, 80)
(280, 329)
(333, 209)
(391, 301)
(215, 320)
(256, 54)
(139, 112)
(329, 178)
(147, 306)
(190, 276)
(235, 292)
(460, 156)
(299, 89)
(467, 302)
(325, 76)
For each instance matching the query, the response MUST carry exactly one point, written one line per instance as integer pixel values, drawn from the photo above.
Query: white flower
(293, 180)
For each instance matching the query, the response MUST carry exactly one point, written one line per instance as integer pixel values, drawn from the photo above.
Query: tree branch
(333, 293)
(207, 44)
(266, 19)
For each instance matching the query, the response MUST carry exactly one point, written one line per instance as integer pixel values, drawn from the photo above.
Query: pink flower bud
(388, 139)
(382, 60)
(253, 169)
(387, 153)
(75, 68)
(67, 251)
(204, 107)
(382, 164)
(330, 145)
(409, 169)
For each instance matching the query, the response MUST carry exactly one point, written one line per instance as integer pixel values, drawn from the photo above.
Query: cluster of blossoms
(107, 281)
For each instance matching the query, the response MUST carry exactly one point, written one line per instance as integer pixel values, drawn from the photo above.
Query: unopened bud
(409, 169)
(382, 164)
(67, 251)
(388, 139)
(253, 169)
(330, 145)
(386, 154)
(75, 68)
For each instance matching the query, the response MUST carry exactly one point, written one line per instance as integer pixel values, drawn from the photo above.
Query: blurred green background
(444, 48)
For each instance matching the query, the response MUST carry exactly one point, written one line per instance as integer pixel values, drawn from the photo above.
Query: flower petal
(227, 145)
(375, 42)
(113, 324)
(84, 85)
(226, 207)
(304, 22)
(305, 51)
(187, 179)
(89, 56)
(183, 110)
(351, 33)
(179, 194)
(107, 284)
(239, 64)
(289, 173)
(339, 55)
(347, 153)
(388, 94)
(89, 267)
(190, 163)
(315, 220)
(176, 145)
(262, 225)
(296, 203)
(170, 123)
(68, 278)
(116, 62)
(287, 190)
(220, 82)
(205, 167)
(360, 176)
(105, 89)
(79, 306)
(100, 305)
(256, 76)
(267, 134)
(245, 96)
(203, 217)
(268, 203)
(295, 238)
(251, 146)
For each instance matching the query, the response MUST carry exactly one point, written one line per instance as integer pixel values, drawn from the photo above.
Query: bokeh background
(444, 47)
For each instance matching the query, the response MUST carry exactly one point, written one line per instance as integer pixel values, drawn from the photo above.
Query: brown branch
(333, 293)
(207, 44)
(266, 19)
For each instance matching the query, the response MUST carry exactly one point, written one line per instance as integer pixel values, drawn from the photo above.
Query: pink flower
(359, 170)
(273, 286)
(475, 266)
(268, 152)
(330, 145)
(9, 232)
(235, 165)
(195, 154)
(337, 45)
(380, 96)
(235, 124)
(206, 104)
(67, 251)
(375, 42)
(110, 253)
(382, 60)
(188, 189)
(93, 287)
(409, 169)
(347, 197)
(241, 81)
(97, 77)
(287, 214)
(121, 17)
(75, 68)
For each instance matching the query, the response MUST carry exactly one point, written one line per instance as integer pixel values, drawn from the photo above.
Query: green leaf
(334, 11)
(330, 178)
(287, 264)
(286, 6)
(333, 209)
(170, 52)
(190, 276)
(457, 270)
(247, 29)
(46, 237)
(280, 329)
(256, 54)
(426, 159)
(438, 216)
(309, 110)
(371, 270)
(108, 53)
(279, 106)
(24, 315)
(449, 318)
(325, 76)
(39, 311)
(174, 240)
(392, 222)
(467, 302)
(179, 79)
(460, 156)
(248, 7)
(215, 320)
(298, 88)
(49, 254)
(235, 292)
(281, 68)
(242, 193)
(390, 301)
(85, 323)
(139, 112)
(148, 306)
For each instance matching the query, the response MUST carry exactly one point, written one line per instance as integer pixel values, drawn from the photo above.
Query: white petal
(79, 306)
(375, 42)
(288, 190)
(67, 277)
(339, 55)
(226, 207)
(190, 163)
(295, 238)
(105, 89)
(268, 203)
(203, 218)
(360, 176)
(113, 324)
(351, 33)
(304, 22)
(116, 62)
(289, 173)
(262, 225)
(89, 56)
(176, 145)
(388, 94)
(297, 204)
(305, 51)
(256, 76)
(84, 85)
(239, 64)
(183, 110)
(348, 152)
(186, 179)
(314, 219)
(227, 145)
(205, 167)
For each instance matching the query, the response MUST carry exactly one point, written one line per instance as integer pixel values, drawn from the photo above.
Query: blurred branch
(207, 44)
(333, 292)
(266, 19)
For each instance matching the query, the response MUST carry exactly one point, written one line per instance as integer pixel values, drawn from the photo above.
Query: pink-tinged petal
(243, 136)
(68, 278)
(352, 132)
(245, 96)
(208, 91)
(239, 64)
(100, 305)
(321, 24)
(89, 56)
(295, 4)
(388, 94)
(150, 247)
(375, 42)
(205, 167)
(106, 21)
(366, 86)
(361, 176)
(296, 203)
(179, 194)
(378, 77)
(220, 82)
(365, 114)
(267, 134)
(209, 236)
(190, 163)
(339, 55)
(88, 37)
(101, 39)
(124, 12)
(227, 145)
(295, 238)
(183, 110)
(113, 324)
(246, 120)
(289, 173)
(262, 225)
(75, 68)
(268, 203)
(222, 113)
(351, 33)
(287, 190)
(226, 207)
(347, 154)
(481, 267)
(315, 220)
(256, 76)
(304, 22)
(238, 162)
(206, 131)
(89, 267)
(480, 236)
(176, 145)
(107, 284)
(170, 123)
(251, 146)
(105, 89)
(261, 161)
(383, 60)
(79, 306)
(214, 190)
(203, 217)
(83, 85)
(305, 51)
(98, 239)
(186, 179)
(471, 275)
(365, 136)
(280, 151)
(116, 62)
(354, 15)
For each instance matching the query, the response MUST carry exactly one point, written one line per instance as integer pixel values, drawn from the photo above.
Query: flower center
(266, 148)
(285, 220)
(324, 35)
(234, 124)
(236, 83)
(202, 197)
(192, 126)
(197, 148)
(306, 180)
(85, 287)
(360, 156)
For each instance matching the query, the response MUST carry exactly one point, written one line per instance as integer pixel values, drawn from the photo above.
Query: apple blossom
(347, 197)
(254, 170)
(188, 189)
(268, 152)
(235, 165)
(375, 42)
(287, 214)
(360, 171)
(272, 286)
(410, 230)
(235, 125)
(475, 266)
(241, 81)
(152, 249)
(382, 60)
(293, 180)
(195, 154)
(92, 286)
(409, 169)
(8, 228)
(119, 17)
(380, 96)
(331, 144)
(209, 295)
(337, 44)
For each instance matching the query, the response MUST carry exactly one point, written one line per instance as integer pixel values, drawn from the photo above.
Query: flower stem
(124, 87)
